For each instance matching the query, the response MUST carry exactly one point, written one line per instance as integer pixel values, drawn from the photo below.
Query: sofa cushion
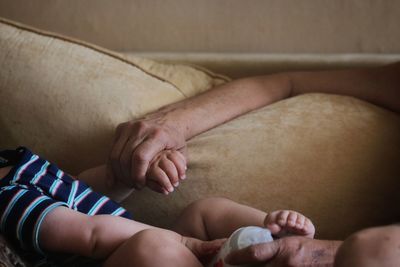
(63, 98)
(334, 158)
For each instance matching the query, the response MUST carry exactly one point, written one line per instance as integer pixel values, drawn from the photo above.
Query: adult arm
(137, 142)
(380, 86)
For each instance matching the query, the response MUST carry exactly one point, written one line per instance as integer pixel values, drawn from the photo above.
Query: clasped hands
(150, 153)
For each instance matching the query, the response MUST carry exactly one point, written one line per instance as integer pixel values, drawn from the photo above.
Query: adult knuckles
(158, 131)
(158, 134)
(145, 129)
(138, 128)
(139, 124)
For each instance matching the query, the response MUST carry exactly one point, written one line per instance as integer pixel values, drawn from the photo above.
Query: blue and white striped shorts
(33, 188)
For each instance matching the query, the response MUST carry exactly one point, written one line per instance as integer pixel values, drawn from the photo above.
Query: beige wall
(262, 26)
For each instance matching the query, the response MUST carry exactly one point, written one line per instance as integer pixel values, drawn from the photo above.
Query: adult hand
(136, 143)
(294, 251)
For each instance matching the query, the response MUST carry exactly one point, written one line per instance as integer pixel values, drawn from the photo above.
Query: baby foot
(283, 222)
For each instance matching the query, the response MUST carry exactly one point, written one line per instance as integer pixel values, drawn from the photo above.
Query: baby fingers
(158, 176)
(180, 163)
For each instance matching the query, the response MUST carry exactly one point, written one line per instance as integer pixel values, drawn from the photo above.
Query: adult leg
(216, 217)
(378, 246)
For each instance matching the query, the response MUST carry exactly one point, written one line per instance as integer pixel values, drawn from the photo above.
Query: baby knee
(204, 205)
(373, 244)
(194, 218)
(150, 247)
(150, 240)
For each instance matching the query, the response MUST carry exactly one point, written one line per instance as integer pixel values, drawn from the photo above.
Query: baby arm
(68, 231)
(116, 239)
(164, 173)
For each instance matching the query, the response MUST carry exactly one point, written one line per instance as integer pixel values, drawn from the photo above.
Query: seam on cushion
(204, 70)
(94, 47)
(207, 72)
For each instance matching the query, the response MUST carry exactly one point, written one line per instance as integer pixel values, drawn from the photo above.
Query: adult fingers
(126, 160)
(138, 132)
(179, 162)
(260, 253)
(121, 138)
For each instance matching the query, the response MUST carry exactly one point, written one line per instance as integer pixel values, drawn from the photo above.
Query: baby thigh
(153, 247)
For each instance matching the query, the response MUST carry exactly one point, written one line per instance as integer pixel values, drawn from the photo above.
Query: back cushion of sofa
(334, 158)
(63, 98)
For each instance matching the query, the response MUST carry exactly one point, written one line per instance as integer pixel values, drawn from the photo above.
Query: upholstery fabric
(63, 98)
(238, 65)
(236, 26)
(334, 158)
(190, 79)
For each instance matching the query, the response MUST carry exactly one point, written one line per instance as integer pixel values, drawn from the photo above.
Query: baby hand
(166, 171)
(203, 250)
(283, 222)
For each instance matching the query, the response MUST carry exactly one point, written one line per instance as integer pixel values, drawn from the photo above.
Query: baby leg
(216, 217)
(159, 247)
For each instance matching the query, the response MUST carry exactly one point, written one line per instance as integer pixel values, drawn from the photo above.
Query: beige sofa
(334, 158)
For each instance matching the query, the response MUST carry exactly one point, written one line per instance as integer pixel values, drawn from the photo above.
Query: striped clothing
(33, 188)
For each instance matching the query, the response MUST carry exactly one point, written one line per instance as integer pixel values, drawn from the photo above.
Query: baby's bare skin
(288, 222)
(4, 171)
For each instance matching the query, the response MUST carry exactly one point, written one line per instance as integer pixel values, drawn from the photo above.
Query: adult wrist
(169, 120)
